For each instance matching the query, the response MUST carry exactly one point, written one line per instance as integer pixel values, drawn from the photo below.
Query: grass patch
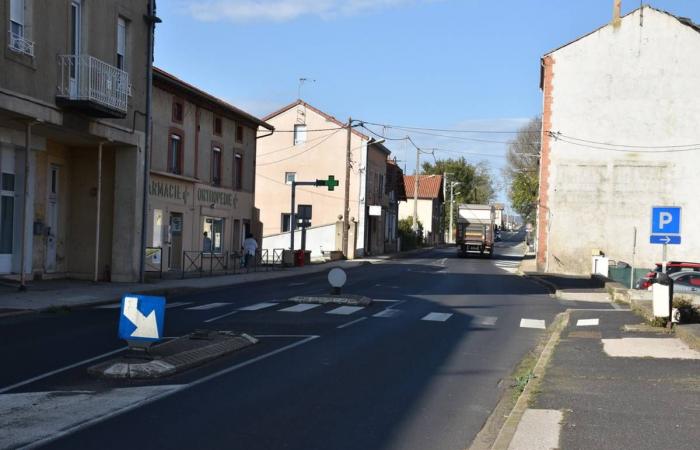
(523, 374)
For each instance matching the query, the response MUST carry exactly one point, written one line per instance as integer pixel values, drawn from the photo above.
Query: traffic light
(331, 182)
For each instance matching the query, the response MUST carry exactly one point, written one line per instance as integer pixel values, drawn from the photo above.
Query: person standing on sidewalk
(250, 248)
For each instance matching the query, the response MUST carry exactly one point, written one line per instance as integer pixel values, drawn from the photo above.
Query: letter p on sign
(666, 220)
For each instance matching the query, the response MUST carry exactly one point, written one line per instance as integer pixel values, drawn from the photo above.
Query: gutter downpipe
(27, 152)
(97, 212)
(151, 19)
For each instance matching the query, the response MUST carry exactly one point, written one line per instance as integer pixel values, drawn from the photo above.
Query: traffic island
(341, 299)
(173, 356)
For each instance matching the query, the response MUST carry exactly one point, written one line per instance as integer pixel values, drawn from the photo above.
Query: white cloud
(283, 10)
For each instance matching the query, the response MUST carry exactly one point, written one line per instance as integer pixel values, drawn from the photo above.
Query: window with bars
(238, 171)
(175, 154)
(216, 166)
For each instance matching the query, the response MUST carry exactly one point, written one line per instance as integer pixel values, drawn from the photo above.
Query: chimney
(617, 5)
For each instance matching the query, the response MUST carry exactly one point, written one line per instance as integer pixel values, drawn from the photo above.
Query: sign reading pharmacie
(207, 195)
(170, 190)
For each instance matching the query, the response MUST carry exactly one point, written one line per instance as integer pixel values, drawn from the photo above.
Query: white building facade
(620, 135)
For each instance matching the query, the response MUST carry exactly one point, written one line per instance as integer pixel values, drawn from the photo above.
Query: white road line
(110, 306)
(220, 317)
(150, 400)
(206, 307)
(173, 305)
(532, 323)
(351, 323)
(283, 335)
(485, 321)
(437, 317)
(257, 306)
(62, 369)
(345, 310)
(301, 307)
(381, 300)
(387, 313)
(587, 323)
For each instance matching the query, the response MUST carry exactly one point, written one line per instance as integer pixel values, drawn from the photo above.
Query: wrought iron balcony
(19, 44)
(92, 86)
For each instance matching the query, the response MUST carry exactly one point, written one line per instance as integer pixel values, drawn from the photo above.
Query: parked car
(672, 267)
(686, 282)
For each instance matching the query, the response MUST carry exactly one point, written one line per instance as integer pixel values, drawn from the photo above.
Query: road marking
(387, 313)
(206, 307)
(301, 307)
(487, 321)
(220, 317)
(62, 369)
(587, 323)
(616, 305)
(351, 323)
(532, 323)
(283, 335)
(149, 400)
(345, 310)
(257, 306)
(173, 305)
(381, 300)
(110, 306)
(437, 317)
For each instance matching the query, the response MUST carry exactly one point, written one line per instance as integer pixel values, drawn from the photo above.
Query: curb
(551, 287)
(354, 300)
(508, 429)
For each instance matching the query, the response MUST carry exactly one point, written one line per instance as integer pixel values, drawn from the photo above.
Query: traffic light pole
(331, 183)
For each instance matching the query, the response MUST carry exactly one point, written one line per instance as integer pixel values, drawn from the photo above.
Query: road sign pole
(634, 253)
(292, 221)
(664, 253)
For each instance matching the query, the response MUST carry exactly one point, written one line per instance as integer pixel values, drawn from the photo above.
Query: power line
(448, 130)
(287, 148)
(686, 147)
(300, 153)
(310, 131)
(300, 189)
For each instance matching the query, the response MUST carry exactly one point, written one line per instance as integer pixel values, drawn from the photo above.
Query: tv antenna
(302, 81)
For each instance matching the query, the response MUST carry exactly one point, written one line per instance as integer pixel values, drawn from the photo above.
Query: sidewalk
(607, 388)
(46, 295)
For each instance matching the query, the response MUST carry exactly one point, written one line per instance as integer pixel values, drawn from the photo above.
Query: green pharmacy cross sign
(331, 182)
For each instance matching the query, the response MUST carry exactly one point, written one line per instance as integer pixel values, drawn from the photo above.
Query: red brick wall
(545, 160)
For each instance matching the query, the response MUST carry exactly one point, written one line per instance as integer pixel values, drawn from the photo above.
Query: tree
(476, 185)
(522, 169)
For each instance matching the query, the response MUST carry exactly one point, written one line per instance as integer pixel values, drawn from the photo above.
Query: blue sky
(467, 64)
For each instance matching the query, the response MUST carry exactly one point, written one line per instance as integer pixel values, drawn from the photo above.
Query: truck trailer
(475, 230)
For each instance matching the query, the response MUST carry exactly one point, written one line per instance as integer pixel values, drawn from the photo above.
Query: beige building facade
(429, 205)
(72, 97)
(202, 178)
(309, 144)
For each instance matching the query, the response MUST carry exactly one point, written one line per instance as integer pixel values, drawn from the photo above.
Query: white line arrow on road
(146, 326)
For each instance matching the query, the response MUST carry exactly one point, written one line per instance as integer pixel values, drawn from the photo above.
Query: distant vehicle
(672, 267)
(475, 229)
(686, 282)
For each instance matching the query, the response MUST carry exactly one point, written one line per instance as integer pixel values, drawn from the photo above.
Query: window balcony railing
(93, 85)
(19, 44)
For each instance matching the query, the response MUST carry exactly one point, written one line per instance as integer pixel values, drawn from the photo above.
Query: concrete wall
(633, 86)
(318, 239)
(323, 154)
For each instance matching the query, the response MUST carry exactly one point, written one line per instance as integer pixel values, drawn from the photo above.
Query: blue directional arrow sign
(665, 225)
(141, 318)
(667, 239)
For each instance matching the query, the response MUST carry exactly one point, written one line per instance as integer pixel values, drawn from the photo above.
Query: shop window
(212, 235)
(157, 227)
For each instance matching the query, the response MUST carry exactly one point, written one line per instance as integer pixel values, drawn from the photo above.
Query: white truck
(475, 229)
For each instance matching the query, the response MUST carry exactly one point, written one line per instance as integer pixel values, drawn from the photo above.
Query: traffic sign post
(665, 227)
(331, 183)
(141, 320)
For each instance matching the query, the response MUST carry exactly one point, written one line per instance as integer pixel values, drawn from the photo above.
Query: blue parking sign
(666, 220)
(141, 318)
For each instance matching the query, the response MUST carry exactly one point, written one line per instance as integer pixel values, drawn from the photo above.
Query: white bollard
(660, 295)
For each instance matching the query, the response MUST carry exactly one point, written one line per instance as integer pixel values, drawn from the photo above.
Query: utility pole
(415, 191)
(346, 209)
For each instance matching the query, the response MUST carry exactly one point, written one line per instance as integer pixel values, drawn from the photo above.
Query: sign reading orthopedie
(141, 318)
(665, 225)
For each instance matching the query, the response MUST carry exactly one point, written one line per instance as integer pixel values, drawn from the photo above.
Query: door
(52, 207)
(175, 252)
(7, 209)
(75, 35)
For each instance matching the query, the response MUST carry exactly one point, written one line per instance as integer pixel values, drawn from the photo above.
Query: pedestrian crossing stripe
(345, 310)
(207, 306)
(301, 307)
(257, 306)
(437, 317)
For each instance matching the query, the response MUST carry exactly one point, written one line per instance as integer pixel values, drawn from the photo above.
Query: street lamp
(452, 204)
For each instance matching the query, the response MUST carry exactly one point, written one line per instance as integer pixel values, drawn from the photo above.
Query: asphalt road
(381, 377)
